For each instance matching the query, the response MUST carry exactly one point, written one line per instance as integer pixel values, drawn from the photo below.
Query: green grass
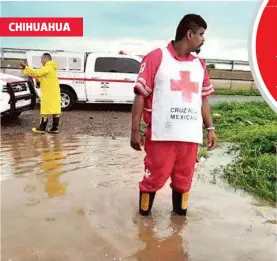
(254, 92)
(203, 152)
(252, 126)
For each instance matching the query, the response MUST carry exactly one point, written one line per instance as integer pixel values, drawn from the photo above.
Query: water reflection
(52, 166)
(44, 158)
(91, 219)
(169, 248)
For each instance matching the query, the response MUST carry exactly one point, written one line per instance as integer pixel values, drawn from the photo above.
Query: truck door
(99, 77)
(126, 69)
(111, 78)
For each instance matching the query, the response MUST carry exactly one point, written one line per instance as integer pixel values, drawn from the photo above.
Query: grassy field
(252, 127)
(254, 92)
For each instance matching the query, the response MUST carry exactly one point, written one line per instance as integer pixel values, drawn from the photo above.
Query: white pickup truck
(92, 77)
(16, 95)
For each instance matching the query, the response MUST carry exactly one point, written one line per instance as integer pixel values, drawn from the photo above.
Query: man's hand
(23, 64)
(137, 140)
(211, 139)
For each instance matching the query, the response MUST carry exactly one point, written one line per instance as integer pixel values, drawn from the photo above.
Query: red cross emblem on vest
(185, 86)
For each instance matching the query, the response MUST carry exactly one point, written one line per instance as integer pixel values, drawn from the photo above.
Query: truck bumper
(18, 103)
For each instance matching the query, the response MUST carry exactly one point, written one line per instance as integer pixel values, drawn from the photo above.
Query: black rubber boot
(55, 125)
(180, 203)
(145, 202)
(42, 125)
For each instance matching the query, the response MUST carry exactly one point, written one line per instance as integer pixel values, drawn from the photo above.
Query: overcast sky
(138, 27)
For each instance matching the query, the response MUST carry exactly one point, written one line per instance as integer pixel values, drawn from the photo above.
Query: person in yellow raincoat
(50, 99)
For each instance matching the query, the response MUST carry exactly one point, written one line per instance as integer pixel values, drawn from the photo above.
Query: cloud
(225, 49)
(90, 44)
(220, 45)
(214, 47)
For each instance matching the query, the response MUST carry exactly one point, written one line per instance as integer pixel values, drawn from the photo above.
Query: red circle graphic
(266, 47)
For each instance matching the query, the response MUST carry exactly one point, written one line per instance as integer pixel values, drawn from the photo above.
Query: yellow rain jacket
(50, 96)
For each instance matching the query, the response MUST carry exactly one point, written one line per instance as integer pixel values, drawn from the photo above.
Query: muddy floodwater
(74, 198)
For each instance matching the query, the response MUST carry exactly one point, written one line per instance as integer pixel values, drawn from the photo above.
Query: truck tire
(15, 115)
(67, 99)
(10, 116)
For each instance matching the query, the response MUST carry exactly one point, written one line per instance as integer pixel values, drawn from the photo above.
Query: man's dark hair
(191, 22)
(48, 55)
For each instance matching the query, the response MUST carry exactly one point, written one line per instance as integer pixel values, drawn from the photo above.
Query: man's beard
(198, 50)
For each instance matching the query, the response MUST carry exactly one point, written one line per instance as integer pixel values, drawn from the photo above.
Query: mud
(95, 119)
(74, 197)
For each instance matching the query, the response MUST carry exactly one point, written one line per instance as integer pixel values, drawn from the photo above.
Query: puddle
(72, 198)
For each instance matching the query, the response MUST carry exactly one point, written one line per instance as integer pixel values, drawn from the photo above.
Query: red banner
(41, 26)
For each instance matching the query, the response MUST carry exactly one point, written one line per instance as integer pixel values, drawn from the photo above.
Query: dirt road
(93, 120)
(103, 120)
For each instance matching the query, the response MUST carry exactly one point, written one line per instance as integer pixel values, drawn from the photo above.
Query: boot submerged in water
(145, 202)
(55, 125)
(42, 126)
(180, 202)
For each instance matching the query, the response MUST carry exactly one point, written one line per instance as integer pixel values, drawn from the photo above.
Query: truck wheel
(67, 99)
(15, 115)
(10, 116)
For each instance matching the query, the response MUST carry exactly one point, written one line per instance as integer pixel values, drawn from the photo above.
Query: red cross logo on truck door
(185, 86)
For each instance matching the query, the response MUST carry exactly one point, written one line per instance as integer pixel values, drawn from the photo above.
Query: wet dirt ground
(73, 197)
(100, 120)
(96, 119)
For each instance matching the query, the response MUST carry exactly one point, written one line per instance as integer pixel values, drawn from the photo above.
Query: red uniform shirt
(146, 77)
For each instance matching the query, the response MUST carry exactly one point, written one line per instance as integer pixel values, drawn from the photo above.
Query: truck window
(74, 63)
(127, 65)
(116, 65)
(105, 64)
(36, 62)
(61, 61)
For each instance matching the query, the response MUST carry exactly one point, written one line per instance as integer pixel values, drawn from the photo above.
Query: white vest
(177, 100)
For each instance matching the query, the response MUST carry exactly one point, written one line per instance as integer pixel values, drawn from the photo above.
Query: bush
(253, 126)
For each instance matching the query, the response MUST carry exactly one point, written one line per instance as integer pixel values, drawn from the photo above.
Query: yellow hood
(52, 64)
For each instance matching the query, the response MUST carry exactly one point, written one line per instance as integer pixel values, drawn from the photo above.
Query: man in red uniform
(172, 92)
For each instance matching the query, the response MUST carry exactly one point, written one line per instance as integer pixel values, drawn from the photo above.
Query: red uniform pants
(166, 159)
